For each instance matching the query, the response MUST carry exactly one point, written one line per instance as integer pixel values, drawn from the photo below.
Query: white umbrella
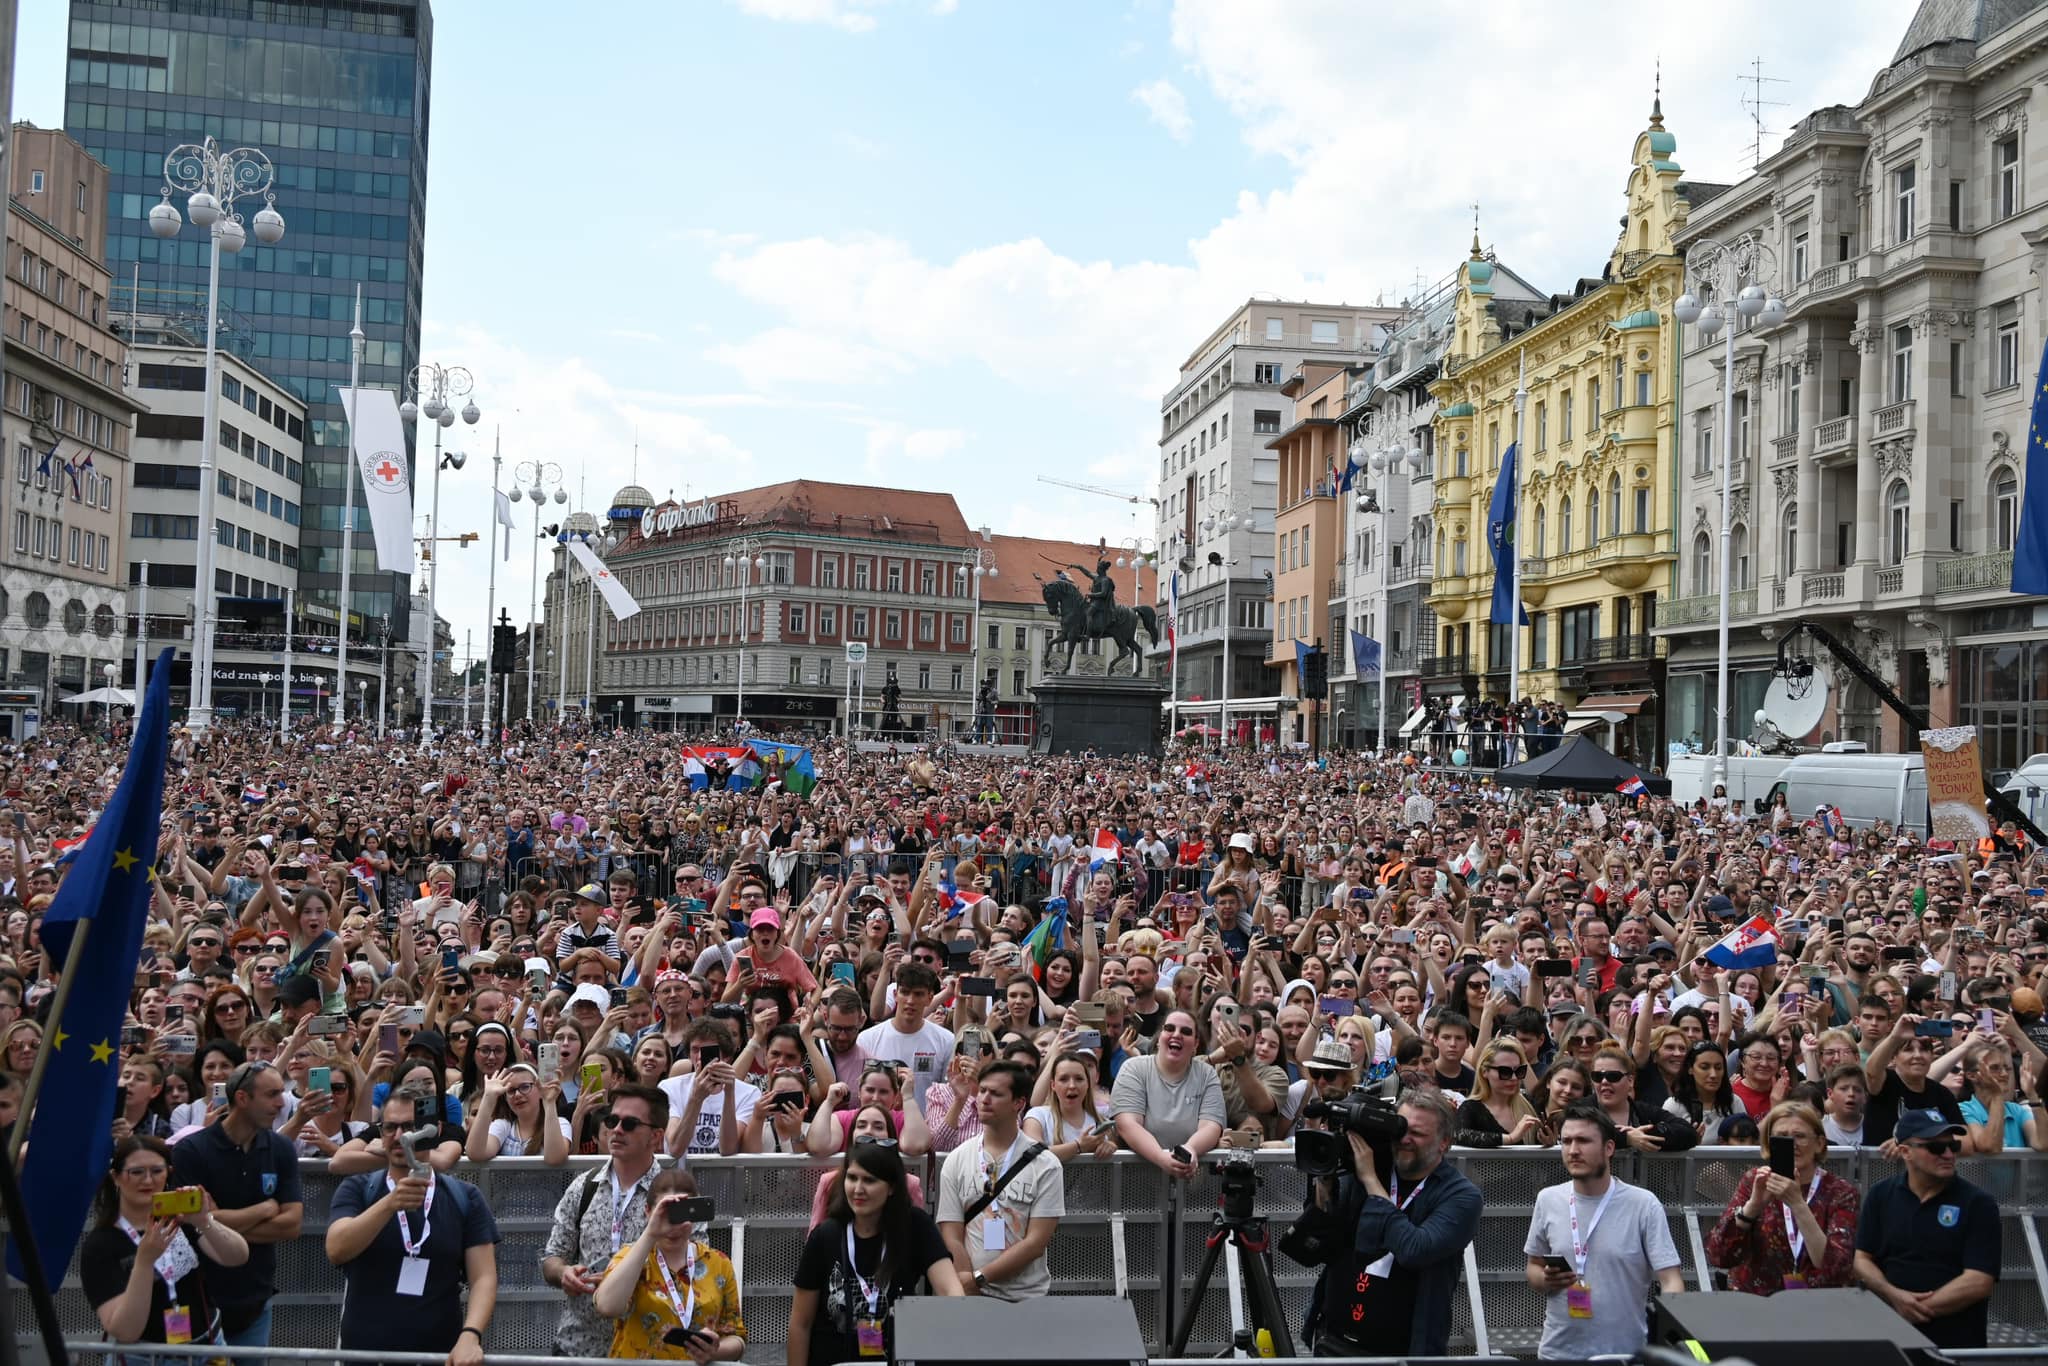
(98, 696)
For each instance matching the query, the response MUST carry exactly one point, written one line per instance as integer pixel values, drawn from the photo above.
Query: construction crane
(1121, 497)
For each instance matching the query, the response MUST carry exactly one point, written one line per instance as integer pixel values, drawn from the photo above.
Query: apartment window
(35, 182)
(1539, 640)
(1592, 406)
(1788, 538)
(1702, 564)
(1458, 556)
(927, 579)
(1461, 463)
(924, 677)
(956, 629)
(1789, 418)
(1266, 372)
(857, 623)
(798, 618)
(825, 671)
(1276, 329)
(2005, 509)
(1741, 452)
(2007, 366)
(828, 571)
(860, 576)
(1642, 388)
(1903, 181)
(1641, 523)
(1493, 445)
(1703, 450)
(893, 575)
(1542, 428)
(1799, 249)
(927, 627)
(828, 621)
(1898, 518)
(1615, 396)
(21, 533)
(1579, 628)
(1564, 524)
(42, 533)
(1955, 205)
(1538, 535)
(1265, 420)
(1323, 332)
(1738, 555)
(1614, 505)
(1016, 682)
(2007, 156)
(892, 626)
(958, 682)
(1955, 524)
(796, 671)
(1592, 520)
(1902, 364)
(1564, 415)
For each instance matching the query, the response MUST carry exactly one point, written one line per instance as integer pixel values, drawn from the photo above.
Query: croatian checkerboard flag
(1752, 944)
(1108, 849)
(1632, 787)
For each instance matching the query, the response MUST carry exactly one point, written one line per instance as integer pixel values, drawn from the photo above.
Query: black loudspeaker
(1073, 1330)
(1797, 1328)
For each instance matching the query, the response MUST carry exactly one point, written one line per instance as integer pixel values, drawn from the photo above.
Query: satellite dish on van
(1795, 703)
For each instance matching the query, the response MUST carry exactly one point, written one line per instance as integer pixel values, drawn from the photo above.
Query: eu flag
(1301, 649)
(2030, 542)
(105, 897)
(1365, 655)
(1500, 540)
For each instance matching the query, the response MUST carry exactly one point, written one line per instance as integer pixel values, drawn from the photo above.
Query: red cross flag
(615, 595)
(377, 441)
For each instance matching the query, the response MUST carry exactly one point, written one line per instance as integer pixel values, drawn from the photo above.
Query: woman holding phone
(675, 1297)
(140, 1271)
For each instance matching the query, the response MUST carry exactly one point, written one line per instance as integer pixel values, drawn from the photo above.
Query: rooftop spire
(1476, 253)
(1657, 98)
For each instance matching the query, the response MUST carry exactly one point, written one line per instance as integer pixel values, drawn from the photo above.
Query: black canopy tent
(1578, 762)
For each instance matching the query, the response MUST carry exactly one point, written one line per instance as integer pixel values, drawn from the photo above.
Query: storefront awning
(1578, 723)
(1627, 703)
(1414, 721)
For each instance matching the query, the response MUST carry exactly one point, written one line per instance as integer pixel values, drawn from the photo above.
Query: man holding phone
(603, 1210)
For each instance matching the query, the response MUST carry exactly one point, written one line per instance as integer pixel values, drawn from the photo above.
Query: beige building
(1879, 430)
(64, 427)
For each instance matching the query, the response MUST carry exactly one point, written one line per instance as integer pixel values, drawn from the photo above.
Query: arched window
(2005, 509)
(1738, 556)
(1702, 564)
(1898, 514)
(1593, 516)
(103, 621)
(1440, 550)
(1536, 542)
(1788, 549)
(1564, 523)
(1614, 506)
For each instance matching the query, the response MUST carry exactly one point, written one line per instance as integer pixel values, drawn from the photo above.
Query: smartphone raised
(1934, 1029)
(319, 1079)
(842, 971)
(1553, 967)
(695, 1209)
(1338, 1006)
(1088, 1040)
(977, 986)
(173, 1203)
(322, 1025)
(1782, 1156)
(550, 1056)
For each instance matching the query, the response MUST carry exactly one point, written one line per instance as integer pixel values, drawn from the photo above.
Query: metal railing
(1966, 572)
(1446, 666)
(1129, 1232)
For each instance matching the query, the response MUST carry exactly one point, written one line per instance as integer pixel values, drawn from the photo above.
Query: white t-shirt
(928, 1051)
(704, 1140)
(1056, 1132)
(1628, 1244)
(1036, 1192)
(510, 1141)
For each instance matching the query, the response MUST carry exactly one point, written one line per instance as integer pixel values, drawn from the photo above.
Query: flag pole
(1515, 545)
(491, 600)
(73, 956)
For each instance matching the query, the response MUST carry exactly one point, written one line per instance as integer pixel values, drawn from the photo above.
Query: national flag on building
(1632, 786)
(43, 465)
(1173, 614)
(1752, 944)
(1365, 655)
(2030, 538)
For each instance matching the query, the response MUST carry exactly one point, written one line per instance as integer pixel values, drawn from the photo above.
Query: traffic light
(504, 644)
(1316, 671)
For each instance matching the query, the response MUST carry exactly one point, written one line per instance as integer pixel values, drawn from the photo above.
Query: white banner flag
(379, 441)
(505, 520)
(615, 595)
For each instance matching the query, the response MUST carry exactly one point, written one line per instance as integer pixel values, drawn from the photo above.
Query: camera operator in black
(1387, 1289)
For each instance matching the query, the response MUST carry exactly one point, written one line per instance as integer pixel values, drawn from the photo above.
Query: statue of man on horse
(1095, 616)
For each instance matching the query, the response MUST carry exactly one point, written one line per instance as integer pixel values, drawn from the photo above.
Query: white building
(1214, 465)
(1878, 471)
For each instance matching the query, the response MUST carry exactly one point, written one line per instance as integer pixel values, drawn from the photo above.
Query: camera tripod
(1249, 1235)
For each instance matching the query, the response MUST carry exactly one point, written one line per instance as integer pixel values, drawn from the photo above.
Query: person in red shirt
(1762, 1080)
(1595, 941)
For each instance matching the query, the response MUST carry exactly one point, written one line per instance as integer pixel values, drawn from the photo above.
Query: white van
(1692, 777)
(2028, 786)
(1863, 787)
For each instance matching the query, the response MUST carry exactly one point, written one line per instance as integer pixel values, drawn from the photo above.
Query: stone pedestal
(1107, 715)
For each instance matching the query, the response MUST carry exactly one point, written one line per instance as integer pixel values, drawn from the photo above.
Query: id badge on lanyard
(1578, 1296)
(1796, 1240)
(867, 1327)
(412, 1268)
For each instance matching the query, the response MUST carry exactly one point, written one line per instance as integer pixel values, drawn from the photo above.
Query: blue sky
(956, 245)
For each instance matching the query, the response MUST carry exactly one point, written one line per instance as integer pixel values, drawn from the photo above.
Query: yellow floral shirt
(639, 1334)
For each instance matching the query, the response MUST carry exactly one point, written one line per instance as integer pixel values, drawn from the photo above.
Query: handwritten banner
(1955, 784)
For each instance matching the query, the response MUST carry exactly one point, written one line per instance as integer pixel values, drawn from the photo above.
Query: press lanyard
(1403, 1204)
(412, 1248)
(870, 1290)
(995, 1173)
(1580, 1245)
(620, 1200)
(1793, 1236)
(170, 1281)
(684, 1307)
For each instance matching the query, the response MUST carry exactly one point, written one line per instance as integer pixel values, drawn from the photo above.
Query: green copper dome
(1642, 318)
(1458, 410)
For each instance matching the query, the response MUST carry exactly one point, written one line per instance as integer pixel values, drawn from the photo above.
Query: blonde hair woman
(1498, 1113)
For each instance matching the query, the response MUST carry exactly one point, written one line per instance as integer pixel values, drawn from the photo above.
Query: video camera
(1239, 1172)
(1372, 1116)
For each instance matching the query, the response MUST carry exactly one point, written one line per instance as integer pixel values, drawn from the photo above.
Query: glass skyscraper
(336, 93)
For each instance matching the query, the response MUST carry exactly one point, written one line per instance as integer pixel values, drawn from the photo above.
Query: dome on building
(632, 497)
(1641, 318)
(580, 521)
(1459, 409)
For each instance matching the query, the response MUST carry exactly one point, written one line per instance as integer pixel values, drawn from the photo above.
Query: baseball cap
(1663, 946)
(1719, 905)
(768, 916)
(1917, 1125)
(590, 993)
(591, 891)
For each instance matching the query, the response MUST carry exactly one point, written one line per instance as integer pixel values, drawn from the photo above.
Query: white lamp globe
(1750, 301)
(561, 495)
(1686, 309)
(1710, 321)
(409, 411)
(471, 414)
(165, 220)
(232, 236)
(204, 209)
(1774, 312)
(268, 226)
(447, 418)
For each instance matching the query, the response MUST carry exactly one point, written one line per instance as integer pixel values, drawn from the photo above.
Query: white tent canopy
(103, 696)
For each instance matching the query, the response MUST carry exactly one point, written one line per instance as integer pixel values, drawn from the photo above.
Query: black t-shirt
(1148, 1022)
(268, 1169)
(1885, 1104)
(374, 1316)
(822, 1268)
(1463, 1082)
(106, 1258)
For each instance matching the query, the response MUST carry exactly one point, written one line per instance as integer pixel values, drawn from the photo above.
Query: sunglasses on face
(1940, 1147)
(1609, 1078)
(1507, 1073)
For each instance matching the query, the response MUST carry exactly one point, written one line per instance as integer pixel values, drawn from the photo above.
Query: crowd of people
(399, 961)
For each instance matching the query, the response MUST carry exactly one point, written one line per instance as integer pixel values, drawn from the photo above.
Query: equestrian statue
(1095, 616)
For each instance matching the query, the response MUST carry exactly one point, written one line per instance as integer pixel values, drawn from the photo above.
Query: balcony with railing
(1705, 607)
(1892, 419)
(1826, 280)
(1823, 587)
(1446, 666)
(1891, 579)
(1974, 573)
(1404, 573)
(1835, 436)
(1616, 649)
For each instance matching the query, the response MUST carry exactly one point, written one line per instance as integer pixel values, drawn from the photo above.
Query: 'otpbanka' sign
(661, 521)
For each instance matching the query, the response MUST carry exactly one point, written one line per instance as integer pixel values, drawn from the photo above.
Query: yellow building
(1597, 466)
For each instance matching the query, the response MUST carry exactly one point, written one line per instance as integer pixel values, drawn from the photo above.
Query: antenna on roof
(1754, 104)
(636, 455)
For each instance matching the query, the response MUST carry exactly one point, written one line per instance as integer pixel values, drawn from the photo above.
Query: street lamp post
(107, 671)
(1735, 278)
(213, 178)
(737, 563)
(363, 699)
(435, 391)
(1225, 524)
(1386, 462)
(532, 479)
(981, 566)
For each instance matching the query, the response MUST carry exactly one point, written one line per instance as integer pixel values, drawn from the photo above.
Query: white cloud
(784, 357)
(1167, 106)
(893, 445)
(864, 149)
(850, 16)
(634, 334)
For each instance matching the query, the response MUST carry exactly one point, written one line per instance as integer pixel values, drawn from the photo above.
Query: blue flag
(1500, 540)
(70, 1137)
(1301, 649)
(2030, 542)
(1365, 655)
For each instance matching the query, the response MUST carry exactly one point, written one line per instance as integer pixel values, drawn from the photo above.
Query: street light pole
(1723, 279)
(436, 389)
(1226, 524)
(213, 179)
(749, 553)
(532, 479)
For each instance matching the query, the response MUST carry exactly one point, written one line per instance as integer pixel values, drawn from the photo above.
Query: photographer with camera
(1390, 1227)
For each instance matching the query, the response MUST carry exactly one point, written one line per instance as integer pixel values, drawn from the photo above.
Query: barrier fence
(1128, 1232)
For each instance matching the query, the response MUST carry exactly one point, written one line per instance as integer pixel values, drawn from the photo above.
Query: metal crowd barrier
(1127, 1232)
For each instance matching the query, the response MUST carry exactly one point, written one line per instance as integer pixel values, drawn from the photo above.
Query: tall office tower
(336, 93)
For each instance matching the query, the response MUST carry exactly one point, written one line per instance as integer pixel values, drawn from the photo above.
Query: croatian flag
(255, 795)
(1466, 862)
(1632, 787)
(1173, 614)
(1752, 944)
(954, 901)
(1107, 849)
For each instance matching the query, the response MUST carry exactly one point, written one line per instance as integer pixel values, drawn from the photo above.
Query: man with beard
(1387, 1290)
